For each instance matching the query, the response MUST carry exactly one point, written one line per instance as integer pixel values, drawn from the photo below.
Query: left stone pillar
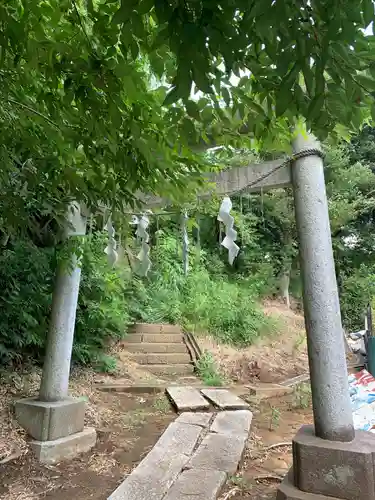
(54, 420)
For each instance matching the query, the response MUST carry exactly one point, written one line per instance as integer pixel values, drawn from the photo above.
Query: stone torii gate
(330, 458)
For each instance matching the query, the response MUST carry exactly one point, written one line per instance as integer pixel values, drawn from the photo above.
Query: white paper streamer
(230, 233)
(142, 224)
(110, 249)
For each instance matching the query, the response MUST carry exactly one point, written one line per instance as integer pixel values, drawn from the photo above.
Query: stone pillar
(328, 370)
(330, 459)
(55, 420)
(56, 370)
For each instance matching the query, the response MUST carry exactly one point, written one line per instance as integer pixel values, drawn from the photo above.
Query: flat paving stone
(195, 418)
(179, 438)
(236, 423)
(187, 398)
(196, 484)
(152, 479)
(218, 452)
(224, 399)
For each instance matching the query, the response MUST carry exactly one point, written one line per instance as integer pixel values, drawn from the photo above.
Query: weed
(134, 418)
(302, 395)
(275, 418)
(241, 483)
(161, 404)
(106, 364)
(299, 342)
(208, 370)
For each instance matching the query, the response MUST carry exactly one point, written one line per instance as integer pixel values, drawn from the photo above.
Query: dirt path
(275, 421)
(129, 427)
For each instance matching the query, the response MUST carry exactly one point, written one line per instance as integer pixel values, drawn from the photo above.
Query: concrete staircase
(160, 349)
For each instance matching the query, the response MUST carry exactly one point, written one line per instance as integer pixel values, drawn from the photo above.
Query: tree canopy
(102, 98)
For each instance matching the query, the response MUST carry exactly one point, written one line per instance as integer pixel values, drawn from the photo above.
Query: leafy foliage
(25, 296)
(84, 83)
(102, 313)
(26, 276)
(202, 301)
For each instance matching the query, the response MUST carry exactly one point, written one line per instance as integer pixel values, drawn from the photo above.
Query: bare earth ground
(275, 422)
(129, 425)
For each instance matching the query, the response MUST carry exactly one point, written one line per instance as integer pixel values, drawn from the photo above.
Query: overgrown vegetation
(26, 277)
(213, 297)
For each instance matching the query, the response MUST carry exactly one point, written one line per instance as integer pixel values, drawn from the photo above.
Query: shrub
(26, 279)
(25, 300)
(102, 313)
(357, 290)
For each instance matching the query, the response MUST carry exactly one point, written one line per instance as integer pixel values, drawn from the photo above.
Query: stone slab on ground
(132, 389)
(155, 347)
(236, 423)
(218, 452)
(47, 421)
(161, 358)
(171, 370)
(265, 391)
(178, 438)
(164, 338)
(151, 479)
(287, 491)
(156, 328)
(291, 382)
(187, 398)
(197, 484)
(333, 468)
(194, 418)
(224, 399)
(66, 448)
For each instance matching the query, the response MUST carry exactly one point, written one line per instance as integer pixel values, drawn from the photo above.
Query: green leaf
(226, 95)
(122, 16)
(173, 96)
(193, 110)
(373, 112)
(201, 80)
(367, 11)
(145, 6)
(157, 63)
(366, 81)
(283, 99)
(134, 49)
(188, 128)
(315, 106)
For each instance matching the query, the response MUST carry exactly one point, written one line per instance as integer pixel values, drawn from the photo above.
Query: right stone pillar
(330, 459)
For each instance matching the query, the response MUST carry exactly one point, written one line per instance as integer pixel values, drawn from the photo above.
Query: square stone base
(51, 452)
(47, 421)
(287, 491)
(332, 468)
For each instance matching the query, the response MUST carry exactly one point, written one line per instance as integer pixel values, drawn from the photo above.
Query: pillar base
(48, 421)
(287, 491)
(65, 448)
(325, 469)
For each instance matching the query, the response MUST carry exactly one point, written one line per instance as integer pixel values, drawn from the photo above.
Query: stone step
(155, 347)
(161, 358)
(181, 369)
(160, 338)
(155, 328)
(187, 398)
